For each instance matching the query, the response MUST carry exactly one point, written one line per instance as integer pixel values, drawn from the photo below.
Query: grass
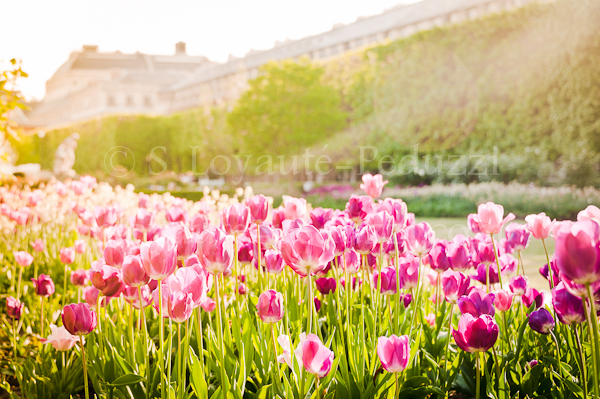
(534, 256)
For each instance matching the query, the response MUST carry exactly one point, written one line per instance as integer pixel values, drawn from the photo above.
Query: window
(129, 101)
(111, 101)
(147, 101)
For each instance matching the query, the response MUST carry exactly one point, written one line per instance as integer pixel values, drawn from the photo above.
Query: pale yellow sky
(42, 33)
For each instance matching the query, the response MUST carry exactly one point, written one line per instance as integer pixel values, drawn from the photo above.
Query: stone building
(92, 84)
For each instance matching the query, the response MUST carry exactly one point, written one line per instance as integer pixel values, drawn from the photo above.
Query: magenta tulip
(358, 207)
(320, 216)
(518, 284)
(473, 222)
(476, 334)
(108, 280)
(189, 281)
(394, 352)
(14, 308)
(158, 257)
(454, 285)
(366, 239)
(477, 303)
(270, 306)
(409, 272)
(382, 224)
(388, 280)
(503, 300)
(568, 307)
(325, 285)
(397, 210)
(44, 286)
(577, 252)
(80, 278)
(273, 261)
(532, 296)
(79, 319)
(438, 257)
(458, 256)
(517, 236)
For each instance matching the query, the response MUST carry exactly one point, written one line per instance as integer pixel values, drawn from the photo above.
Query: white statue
(64, 157)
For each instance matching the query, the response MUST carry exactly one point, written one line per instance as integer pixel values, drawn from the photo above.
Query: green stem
(581, 361)
(145, 331)
(311, 303)
(180, 382)
(448, 341)
(397, 284)
(42, 315)
(260, 283)
(200, 339)
(497, 262)
(161, 337)
(99, 322)
(550, 277)
(14, 331)
(224, 387)
(64, 298)
(418, 300)
(477, 376)
(594, 340)
(275, 351)
(19, 282)
(83, 360)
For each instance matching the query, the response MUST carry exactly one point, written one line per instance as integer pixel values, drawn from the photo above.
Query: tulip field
(107, 293)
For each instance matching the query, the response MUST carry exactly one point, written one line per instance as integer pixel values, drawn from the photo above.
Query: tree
(287, 108)
(10, 97)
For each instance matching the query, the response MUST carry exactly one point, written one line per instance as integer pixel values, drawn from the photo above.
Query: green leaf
(127, 379)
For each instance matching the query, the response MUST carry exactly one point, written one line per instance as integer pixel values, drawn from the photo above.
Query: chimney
(90, 48)
(180, 48)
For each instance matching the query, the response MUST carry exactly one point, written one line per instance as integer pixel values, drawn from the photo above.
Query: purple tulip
(541, 321)
(454, 285)
(568, 307)
(325, 285)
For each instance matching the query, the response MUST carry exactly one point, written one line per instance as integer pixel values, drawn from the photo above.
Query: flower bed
(111, 293)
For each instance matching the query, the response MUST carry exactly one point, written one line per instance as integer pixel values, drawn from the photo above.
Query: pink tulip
(189, 281)
(108, 280)
(316, 357)
(175, 214)
(382, 224)
(79, 319)
(199, 222)
(23, 258)
(215, 250)
(143, 200)
(67, 255)
(278, 218)
(409, 272)
(518, 284)
(388, 280)
(343, 237)
(430, 319)
(503, 300)
(476, 334)
(114, 252)
(592, 212)
(61, 339)
(419, 239)
(245, 252)
(105, 216)
(242, 289)
(38, 245)
(288, 225)
(259, 208)
(294, 208)
(158, 257)
(359, 207)
(366, 239)
(532, 296)
(577, 252)
(235, 219)
(351, 261)
(454, 285)
(269, 237)
(80, 246)
(320, 216)
(306, 250)
(14, 308)
(517, 236)
(79, 278)
(490, 217)
(372, 185)
(209, 305)
(473, 222)
(134, 297)
(540, 225)
(133, 270)
(44, 286)
(326, 285)
(394, 353)
(180, 306)
(182, 237)
(485, 249)
(143, 219)
(397, 210)
(90, 296)
(270, 306)
(272, 261)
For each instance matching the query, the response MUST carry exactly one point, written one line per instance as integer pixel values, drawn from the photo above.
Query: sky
(43, 33)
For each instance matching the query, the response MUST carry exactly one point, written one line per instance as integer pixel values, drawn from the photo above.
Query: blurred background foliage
(521, 88)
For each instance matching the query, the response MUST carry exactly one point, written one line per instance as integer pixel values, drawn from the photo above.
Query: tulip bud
(419, 239)
(454, 285)
(114, 252)
(540, 225)
(108, 280)
(79, 319)
(503, 300)
(490, 218)
(541, 320)
(23, 258)
(259, 208)
(67, 255)
(270, 306)
(325, 285)
(235, 219)
(79, 278)
(394, 352)
(158, 257)
(133, 271)
(316, 357)
(14, 308)
(476, 334)
(518, 284)
(43, 285)
(373, 185)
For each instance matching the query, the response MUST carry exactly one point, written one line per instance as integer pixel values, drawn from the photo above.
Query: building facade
(92, 84)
